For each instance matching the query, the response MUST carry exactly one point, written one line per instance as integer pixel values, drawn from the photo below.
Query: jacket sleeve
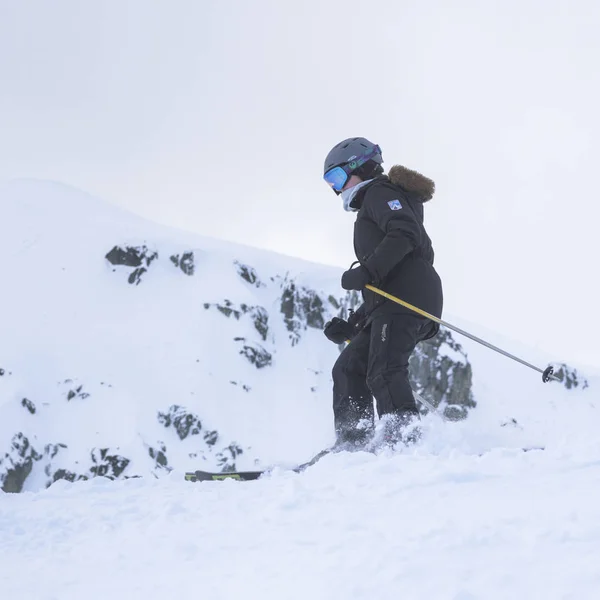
(394, 216)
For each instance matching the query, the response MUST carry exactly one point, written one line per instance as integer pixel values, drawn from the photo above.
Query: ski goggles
(337, 177)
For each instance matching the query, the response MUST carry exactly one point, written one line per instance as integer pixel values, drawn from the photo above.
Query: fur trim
(412, 181)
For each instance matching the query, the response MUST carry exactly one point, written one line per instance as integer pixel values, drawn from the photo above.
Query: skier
(393, 253)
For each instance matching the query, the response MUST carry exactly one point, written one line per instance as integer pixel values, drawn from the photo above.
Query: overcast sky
(216, 117)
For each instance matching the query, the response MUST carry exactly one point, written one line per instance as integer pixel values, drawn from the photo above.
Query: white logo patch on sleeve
(395, 204)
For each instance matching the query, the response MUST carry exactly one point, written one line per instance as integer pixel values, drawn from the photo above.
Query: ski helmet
(356, 156)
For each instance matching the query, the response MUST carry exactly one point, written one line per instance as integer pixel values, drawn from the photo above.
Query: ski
(199, 475)
(238, 475)
(195, 476)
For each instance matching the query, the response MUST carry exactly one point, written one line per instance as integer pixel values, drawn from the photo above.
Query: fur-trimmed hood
(412, 181)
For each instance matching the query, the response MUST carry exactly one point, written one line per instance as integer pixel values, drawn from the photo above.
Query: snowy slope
(465, 514)
(457, 527)
(99, 357)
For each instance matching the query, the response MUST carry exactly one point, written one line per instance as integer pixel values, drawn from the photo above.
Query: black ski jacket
(391, 242)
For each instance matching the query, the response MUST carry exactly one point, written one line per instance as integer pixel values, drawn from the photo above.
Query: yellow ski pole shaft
(547, 373)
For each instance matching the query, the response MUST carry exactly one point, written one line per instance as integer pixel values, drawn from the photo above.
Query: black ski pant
(375, 363)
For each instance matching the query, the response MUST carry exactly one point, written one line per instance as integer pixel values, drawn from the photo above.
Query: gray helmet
(350, 149)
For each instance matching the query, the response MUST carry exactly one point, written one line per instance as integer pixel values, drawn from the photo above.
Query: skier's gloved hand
(356, 279)
(338, 331)
(357, 319)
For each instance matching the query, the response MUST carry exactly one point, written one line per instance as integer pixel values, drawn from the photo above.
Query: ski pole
(430, 406)
(547, 373)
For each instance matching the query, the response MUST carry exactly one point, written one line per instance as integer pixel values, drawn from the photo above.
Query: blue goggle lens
(336, 178)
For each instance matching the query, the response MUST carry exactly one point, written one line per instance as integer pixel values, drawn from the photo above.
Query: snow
(504, 525)
(463, 515)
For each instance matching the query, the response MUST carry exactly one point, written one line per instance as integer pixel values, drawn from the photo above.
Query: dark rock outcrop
(226, 458)
(259, 315)
(184, 422)
(75, 390)
(185, 262)
(29, 405)
(256, 354)
(137, 257)
(441, 372)
(301, 308)
(248, 274)
(569, 377)
(159, 455)
(67, 476)
(188, 424)
(106, 464)
(17, 463)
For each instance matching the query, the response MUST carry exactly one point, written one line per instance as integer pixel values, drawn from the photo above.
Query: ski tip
(195, 476)
(532, 448)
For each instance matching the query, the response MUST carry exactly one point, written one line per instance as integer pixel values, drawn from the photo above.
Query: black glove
(357, 318)
(356, 279)
(338, 331)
